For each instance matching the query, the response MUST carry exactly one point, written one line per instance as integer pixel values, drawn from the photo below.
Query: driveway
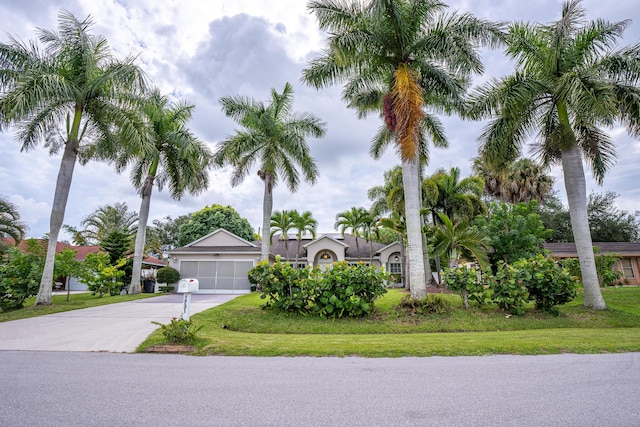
(117, 327)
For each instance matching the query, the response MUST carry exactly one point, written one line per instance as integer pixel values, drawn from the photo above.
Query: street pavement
(115, 389)
(117, 327)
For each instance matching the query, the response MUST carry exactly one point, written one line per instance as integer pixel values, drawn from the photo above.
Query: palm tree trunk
(267, 207)
(575, 186)
(410, 180)
(143, 218)
(61, 195)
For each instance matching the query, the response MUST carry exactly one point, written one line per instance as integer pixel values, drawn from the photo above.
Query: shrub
(343, 290)
(100, 276)
(348, 290)
(429, 304)
(19, 279)
(468, 282)
(179, 331)
(547, 282)
(508, 291)
(607, 275)
(167, 275)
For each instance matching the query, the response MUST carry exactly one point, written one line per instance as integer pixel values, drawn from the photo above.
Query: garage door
(218, 276)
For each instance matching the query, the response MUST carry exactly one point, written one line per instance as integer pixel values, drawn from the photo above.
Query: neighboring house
(221, 260)
(628, 264)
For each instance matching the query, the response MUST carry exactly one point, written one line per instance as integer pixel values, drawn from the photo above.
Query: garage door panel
(226, 268)
(207, 283)
(189, 269)
(207, 269)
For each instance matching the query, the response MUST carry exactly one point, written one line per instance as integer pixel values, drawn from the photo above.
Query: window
(627, 268)
(395, 268)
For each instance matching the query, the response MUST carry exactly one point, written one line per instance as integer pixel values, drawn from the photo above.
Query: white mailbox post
(186, 287)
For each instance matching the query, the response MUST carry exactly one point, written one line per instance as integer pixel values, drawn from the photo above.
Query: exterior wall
(220, 239)
(315, 250)
(630, 277)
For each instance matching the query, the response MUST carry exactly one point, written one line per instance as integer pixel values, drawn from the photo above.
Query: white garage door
(218, 276)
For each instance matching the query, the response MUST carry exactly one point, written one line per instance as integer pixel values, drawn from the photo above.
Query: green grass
(241, 327)
(60, 304)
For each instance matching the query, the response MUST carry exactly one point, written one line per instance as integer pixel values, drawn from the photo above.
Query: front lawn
(241, 327)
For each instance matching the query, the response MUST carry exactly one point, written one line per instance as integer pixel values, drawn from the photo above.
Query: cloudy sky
(201, 50)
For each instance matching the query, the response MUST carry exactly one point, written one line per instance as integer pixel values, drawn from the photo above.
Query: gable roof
(348, 241)
(211, 244)
(219, 232)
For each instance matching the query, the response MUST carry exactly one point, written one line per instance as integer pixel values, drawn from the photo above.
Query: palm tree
(107, 219)
(275, 137)
(70, 86)
(520, 181)
(172, 156)
(400, 57)
(455, 197)
(389, 197)
(568, 84)
(282, 222)
(456, 240)
(10, 223)
(355, 219)
(303, 223)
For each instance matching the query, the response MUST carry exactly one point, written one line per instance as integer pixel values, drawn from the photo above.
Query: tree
(105, 220)
(460, 240)
(303, 223)
(517, 182)
(275, 137)
(515, 231)
(456, 198)
(555, 217)
(173, 156)
(568, 84)
(608, 223)
(211, 218)
(10, 223)
(281, 222)
(355, 219)
(163, 234)
(399, 57)
(71, 92)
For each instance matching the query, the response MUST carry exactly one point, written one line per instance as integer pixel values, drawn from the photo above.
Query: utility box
(188, 286)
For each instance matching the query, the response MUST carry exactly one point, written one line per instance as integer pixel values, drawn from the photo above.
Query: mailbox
(187, 286)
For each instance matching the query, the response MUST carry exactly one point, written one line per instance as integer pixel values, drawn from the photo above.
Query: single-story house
(629, 253)
(221, 260)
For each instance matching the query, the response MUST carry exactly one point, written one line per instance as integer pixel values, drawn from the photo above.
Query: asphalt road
(111, 389)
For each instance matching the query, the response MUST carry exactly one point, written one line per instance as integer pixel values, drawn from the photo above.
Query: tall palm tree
(172, 156)
(389, 197)
(303, 223)
(282, 222)
(568, 84)
(69, 86)
(10, 223)
(275, 137)
(399, 57)
(355, 220)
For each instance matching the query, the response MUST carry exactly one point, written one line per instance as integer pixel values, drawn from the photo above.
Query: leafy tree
(163, 234)
(173, 156)
(355, 220)
(303, 223)
(210, 219)
(275, 137)
(399, 57)
(608, 223)
(68, 85)
(568, 84)
(515, 231)
(10, 224)
(19, 278)
(100, 276)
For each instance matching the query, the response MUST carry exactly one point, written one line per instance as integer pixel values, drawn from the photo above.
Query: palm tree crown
(10, 223)
(274, 137)
(568, 84)
(71, 93)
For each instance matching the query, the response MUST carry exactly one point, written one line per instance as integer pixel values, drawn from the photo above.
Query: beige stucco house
(221, 260)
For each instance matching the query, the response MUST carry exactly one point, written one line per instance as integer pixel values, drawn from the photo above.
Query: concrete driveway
(117, 327)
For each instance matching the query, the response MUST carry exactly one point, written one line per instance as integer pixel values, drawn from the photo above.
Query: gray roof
(278, 246)
(214, 249)
(621, 248)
